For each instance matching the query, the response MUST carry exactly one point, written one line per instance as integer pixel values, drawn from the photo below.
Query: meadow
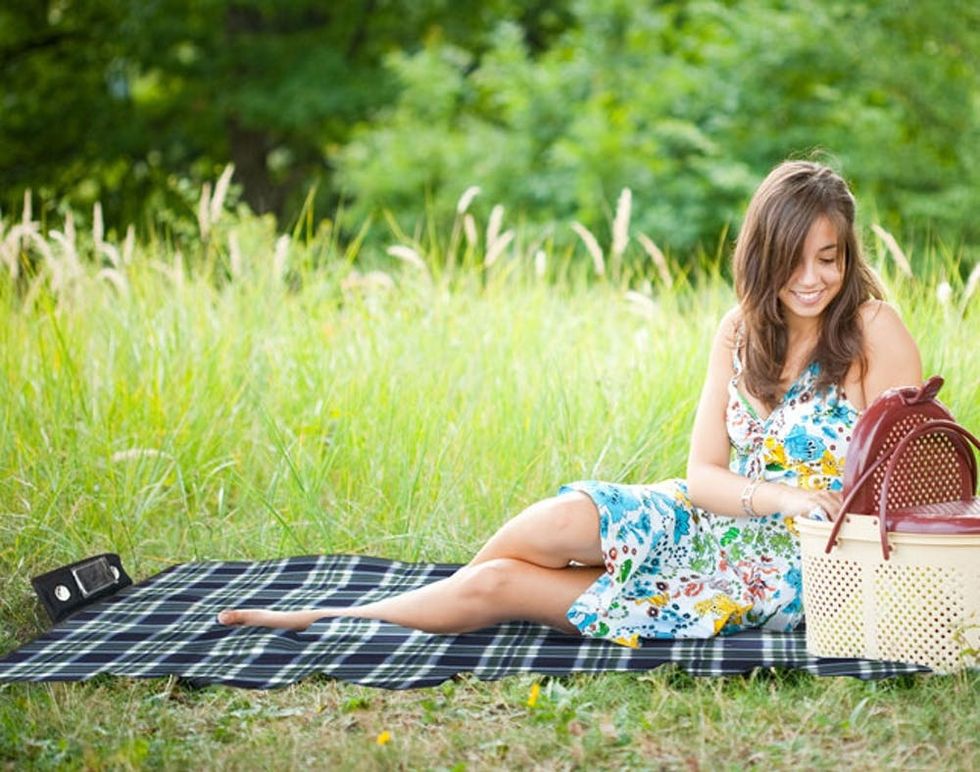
(258, 395)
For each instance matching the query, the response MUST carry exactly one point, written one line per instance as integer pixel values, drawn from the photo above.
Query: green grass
(246, 417)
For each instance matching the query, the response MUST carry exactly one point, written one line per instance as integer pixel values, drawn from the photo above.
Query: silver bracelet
(747, 492)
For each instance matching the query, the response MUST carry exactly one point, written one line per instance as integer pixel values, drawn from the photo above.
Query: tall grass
(262, 395)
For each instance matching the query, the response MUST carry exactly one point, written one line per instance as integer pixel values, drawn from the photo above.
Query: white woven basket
(922, 605)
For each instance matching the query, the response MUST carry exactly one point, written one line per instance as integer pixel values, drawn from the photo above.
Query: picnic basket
(896, 576)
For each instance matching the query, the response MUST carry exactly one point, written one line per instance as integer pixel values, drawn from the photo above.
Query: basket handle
(925, 393)
(861, 481)
(939, 426)
(910, 396)
(892, 454)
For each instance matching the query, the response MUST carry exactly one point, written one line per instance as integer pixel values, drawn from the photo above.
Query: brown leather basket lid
(931, 482)
(948, 517)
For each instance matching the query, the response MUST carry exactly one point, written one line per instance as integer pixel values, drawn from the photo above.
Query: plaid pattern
(166, 626)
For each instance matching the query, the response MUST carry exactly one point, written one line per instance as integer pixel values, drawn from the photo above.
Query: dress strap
(736, 360)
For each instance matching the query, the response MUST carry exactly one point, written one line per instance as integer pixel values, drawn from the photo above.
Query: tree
(110, 99)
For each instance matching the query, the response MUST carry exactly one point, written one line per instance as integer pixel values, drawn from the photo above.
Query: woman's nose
(808, 272)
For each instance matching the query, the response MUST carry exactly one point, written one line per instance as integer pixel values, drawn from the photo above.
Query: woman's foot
(260, 617)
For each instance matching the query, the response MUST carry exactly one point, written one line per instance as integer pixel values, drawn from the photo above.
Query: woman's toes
(231, 617)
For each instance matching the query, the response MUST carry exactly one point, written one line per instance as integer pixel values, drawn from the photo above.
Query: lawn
(258, 399)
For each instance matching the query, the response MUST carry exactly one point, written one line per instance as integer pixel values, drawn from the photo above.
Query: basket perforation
(919, 611)
(926, 473)
(904, 583)
(834, 605)
(892, 438)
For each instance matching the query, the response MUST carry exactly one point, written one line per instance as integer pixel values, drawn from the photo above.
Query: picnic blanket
(166, 626)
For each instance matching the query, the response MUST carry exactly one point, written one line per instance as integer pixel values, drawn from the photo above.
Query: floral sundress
(674, 570)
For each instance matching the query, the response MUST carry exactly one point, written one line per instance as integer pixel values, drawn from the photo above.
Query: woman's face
(817, 278)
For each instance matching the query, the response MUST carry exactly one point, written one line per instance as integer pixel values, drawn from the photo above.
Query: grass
(260, 410)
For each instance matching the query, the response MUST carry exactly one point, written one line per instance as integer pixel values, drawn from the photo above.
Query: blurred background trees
(550, 106)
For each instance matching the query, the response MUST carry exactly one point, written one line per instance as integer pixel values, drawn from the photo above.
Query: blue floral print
(674, 570)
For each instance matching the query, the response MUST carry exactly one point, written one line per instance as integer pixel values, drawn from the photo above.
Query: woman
(809, 345)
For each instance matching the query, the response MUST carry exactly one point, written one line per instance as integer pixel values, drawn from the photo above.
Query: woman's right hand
(798, 502)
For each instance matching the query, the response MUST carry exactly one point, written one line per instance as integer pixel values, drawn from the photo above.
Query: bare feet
(260, 617)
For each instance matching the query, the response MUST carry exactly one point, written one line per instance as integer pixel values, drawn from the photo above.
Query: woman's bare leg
(476, 596)
(550, 533)
(531, 552)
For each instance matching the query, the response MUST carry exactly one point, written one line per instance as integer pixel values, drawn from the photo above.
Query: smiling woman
(818, 276)
(808, 346)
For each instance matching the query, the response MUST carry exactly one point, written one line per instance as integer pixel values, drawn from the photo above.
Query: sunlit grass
(285, 404)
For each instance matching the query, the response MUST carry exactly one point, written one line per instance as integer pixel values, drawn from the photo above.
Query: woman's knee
(488, 582)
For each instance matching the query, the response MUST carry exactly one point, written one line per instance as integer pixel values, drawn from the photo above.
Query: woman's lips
(808, 298)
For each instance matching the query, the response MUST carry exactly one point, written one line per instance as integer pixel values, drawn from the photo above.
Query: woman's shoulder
(877, 312)
(892, 356)
(730, 326)
(880, 322)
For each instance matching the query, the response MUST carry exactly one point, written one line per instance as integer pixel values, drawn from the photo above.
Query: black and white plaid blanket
(166, 626)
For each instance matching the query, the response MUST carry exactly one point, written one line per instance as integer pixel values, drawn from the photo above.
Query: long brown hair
(769, 247)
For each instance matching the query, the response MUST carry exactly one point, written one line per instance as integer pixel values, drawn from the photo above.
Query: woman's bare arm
(892, 356)
(711, 485)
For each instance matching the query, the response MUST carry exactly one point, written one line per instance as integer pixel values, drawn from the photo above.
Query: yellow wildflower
(532, 698)
(384, 738)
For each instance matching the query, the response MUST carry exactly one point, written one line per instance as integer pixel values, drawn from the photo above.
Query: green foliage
(115, 101)
(551, 107)
(688, 104)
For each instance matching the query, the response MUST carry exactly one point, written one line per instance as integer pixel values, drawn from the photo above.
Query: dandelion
(469, 230)
(621, 223)
(372, 281)
(70, 227)
(7, 255)
(279, 257)
(40, 244)
(383, 738)
(659, 261)
(643, 305)
(493, 225)
(177, 272)
(378, 280)
(532, 697)
(495, 249)
(67, 241)
(893, 249)
(540, 263)
(467, 198)
(138, 453)
(129, 245)
(641, 339)
(203, 210)
(592, 246)
(971, 284)
(98, 228)
(234, 255)
(944, 292)
(28, 213)
(115, 278)
(107, 249)
(408, 255)
(220, 191)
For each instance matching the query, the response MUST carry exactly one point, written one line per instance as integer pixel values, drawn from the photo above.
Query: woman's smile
(808, 298)
(818, 277)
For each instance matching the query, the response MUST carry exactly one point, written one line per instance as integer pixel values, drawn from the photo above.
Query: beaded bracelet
(747, 492)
